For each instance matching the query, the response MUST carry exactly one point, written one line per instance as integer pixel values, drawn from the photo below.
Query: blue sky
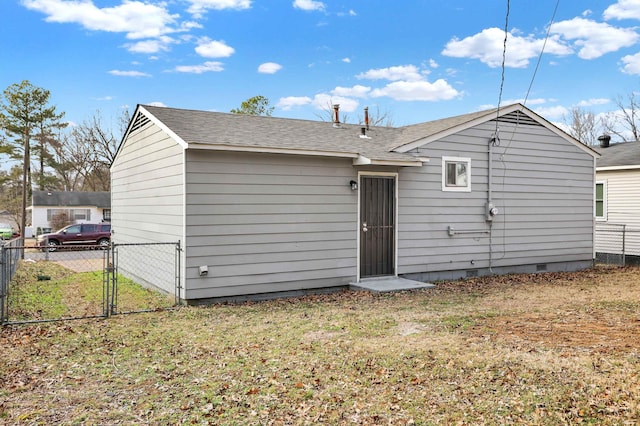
(417, 60)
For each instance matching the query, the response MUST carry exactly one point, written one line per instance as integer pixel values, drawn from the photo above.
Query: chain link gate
(86, 282)
(151, 265)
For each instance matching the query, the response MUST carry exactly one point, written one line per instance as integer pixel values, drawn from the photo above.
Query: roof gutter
(358, 159)
(610, 168)
(269, 150)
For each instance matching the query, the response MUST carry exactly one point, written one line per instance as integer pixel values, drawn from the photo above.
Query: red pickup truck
(85, 234)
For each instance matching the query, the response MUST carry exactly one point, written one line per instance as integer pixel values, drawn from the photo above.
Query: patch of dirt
(593, 331)
(82, 265)
(408, 328)
(322, 335)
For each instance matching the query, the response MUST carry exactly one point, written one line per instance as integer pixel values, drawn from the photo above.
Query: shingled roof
(205, 129)
(195, 129)
(623, 154)
(71, 199)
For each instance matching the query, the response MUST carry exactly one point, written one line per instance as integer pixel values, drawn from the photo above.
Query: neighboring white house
(81, 207)
(273, 205)
(618, 199)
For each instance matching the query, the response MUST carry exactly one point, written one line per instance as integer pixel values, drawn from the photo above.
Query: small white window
(456, 174)
(601, 201)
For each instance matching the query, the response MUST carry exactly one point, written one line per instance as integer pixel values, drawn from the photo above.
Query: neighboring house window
(51, 213)
(80, 214)
(106, 215)
(601, 201)
(73, 214)
(456, 174)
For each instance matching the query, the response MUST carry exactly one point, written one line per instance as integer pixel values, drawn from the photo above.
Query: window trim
(602, 218)
(445, 161)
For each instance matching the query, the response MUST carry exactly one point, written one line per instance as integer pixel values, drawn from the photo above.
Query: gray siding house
(274, 205)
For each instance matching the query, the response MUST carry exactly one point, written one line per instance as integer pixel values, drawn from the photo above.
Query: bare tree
(583, 125)
(376, 117)
(11, 194)
(328, 113)
(625, 122)
(83, 159)
(73, 160)
(60, 220)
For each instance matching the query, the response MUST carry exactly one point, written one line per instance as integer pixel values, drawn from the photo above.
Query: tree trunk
(25, 174)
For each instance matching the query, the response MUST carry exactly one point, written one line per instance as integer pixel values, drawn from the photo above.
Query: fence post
(178, 297)
(624, 242)
(106, 279)
(4, 278)
(114, 280)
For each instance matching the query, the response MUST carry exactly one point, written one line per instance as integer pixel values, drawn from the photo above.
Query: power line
(504, 60)
(535, 71)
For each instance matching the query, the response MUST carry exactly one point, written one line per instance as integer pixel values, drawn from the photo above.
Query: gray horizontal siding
(206, 240)
(542, 186)
(268, 223)
(147, 202)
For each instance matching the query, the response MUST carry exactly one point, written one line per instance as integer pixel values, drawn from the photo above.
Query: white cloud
(356, 91)
(433, 63)
(308, 5)
(553, 112)
(208, 48)
(487, 46)
(351, 12)
(593, 101)
(208, 66)
(417, 91)
(346, 60)
(623, 9)
(269, 68)
(293, 101)
(151, 46)
(401, 72)
(198, 7)
(594, 39)
(631, 64)
(157, 104)
(137, 19)
(129, 73)
(408, 83)
(324, 100)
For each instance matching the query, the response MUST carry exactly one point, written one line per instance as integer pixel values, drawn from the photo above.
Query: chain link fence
(39, 284)
(149, 265)
(617, 244)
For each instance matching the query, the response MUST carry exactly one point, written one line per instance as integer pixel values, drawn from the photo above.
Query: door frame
(395, 214)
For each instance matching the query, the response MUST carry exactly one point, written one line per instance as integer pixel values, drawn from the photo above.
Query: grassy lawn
(47, 290)
(553, 348)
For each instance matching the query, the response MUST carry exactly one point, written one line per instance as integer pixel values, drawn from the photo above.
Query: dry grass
(537, 349)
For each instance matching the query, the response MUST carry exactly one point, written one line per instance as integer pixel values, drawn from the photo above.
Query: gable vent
(519, 118)
(140, 121)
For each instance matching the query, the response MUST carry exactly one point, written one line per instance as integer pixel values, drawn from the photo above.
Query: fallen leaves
(551, 348)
